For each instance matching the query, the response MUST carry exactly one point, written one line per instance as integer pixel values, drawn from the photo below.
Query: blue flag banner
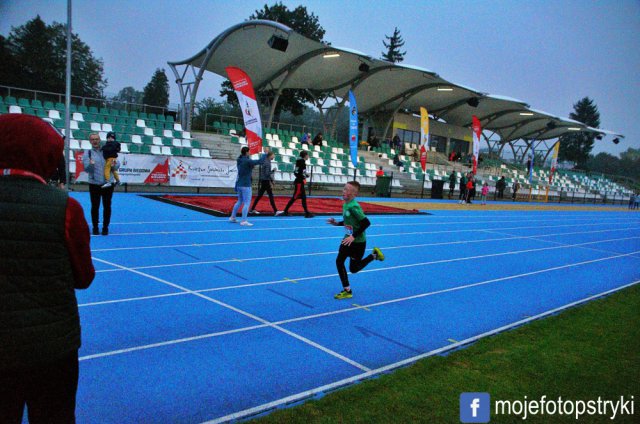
(353, 129)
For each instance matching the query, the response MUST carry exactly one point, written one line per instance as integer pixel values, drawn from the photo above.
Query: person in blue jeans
(243, 185)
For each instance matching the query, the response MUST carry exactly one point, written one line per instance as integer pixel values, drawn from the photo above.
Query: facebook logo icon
(475, 407)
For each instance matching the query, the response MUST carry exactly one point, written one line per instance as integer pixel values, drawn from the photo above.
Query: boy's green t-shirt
(352, 214)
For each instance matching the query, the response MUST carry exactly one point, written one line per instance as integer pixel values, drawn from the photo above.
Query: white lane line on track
(230, 243)
(496, 215)
(315, 277)
(233, 228)
(350, 380)
(539, 238)
(249, 315)
(333, 252)
(276, 324)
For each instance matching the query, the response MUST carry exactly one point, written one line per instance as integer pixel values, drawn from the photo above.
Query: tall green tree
(34, 56)
(129, 95)
(393, 54)
(576, 147)
(156, 92)
(302, 22)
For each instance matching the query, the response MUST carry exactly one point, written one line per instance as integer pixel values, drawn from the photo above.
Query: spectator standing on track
(300, 173)
(471, 184)
(266, 184)
(514, 188)
(243, 185)
(45, 256)
(452, 183)
(484, 192)
(636, 203)
(354, 243)
(500, 186)
(463, 188)
(94, 163)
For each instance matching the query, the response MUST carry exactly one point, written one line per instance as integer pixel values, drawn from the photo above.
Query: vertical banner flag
(554, 160)
(477, 131)
(533, 156)
(247, 101)
(353, 129)
(424, 137)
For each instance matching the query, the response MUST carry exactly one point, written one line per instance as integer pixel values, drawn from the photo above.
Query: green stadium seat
(161, 118)
(41, 113)
(147, 139)
(145, 149)
(24, 102)
(134, 148)
(152, 116)
(176, 151)
(133, 114)
(36, 104)
(114, 112)
(93, 110)
(9, 100)
(83, 109)
(169, 118)
(143, 115)
(59, 107)
(3, 108)
(104, 111)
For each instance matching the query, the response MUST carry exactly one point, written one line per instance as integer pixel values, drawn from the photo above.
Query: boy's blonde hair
(356, 185)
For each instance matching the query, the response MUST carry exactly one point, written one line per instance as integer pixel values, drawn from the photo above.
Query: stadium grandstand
(387, 93)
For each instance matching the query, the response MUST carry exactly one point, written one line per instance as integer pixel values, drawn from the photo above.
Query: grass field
(583, 353)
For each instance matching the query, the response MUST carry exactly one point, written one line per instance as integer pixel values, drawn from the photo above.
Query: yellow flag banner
(424, 137)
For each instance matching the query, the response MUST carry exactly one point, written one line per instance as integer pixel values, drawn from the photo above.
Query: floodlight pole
(67, 100)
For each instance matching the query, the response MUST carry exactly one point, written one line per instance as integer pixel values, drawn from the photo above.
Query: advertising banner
(424, 137)
(477, 133)
(250, 112)
(195, 172)
(134, 169)
(353, 129)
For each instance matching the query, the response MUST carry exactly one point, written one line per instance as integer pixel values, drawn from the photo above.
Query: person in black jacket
(265, 184)
(298, 185)
(501, 185)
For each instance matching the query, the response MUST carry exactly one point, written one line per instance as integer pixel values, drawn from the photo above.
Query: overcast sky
(549, 54)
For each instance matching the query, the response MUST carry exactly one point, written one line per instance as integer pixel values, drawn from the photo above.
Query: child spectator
(484, 192)
(110, 152)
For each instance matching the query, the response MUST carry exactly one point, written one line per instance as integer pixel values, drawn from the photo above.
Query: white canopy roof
(378, 85)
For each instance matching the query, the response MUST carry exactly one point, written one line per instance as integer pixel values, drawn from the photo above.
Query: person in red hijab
(44, 245)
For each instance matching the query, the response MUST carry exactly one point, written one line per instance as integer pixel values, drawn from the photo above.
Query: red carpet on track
(222, 205)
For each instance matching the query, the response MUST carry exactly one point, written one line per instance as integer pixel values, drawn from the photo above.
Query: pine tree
(156, 93)
(576, 147)
(393, 54)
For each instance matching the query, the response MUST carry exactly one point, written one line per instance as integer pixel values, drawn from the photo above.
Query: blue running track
(193, 319)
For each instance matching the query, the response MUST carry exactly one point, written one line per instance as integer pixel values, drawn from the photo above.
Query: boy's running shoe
(377, 254)
(344, 295)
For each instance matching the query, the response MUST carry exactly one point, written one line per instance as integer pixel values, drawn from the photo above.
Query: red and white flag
(249, 106)
(477, 132)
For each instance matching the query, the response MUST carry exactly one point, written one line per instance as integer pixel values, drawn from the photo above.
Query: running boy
(354, 243)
